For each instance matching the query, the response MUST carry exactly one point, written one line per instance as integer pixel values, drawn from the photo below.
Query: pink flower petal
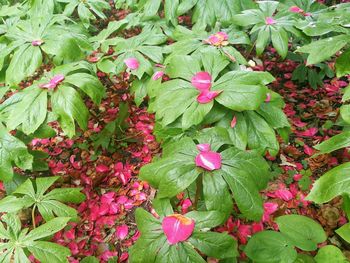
(37, 43)
(177, 228)
(296, 9)
(270, 21)
(208, 160)
(223, 35)
(132, 63)
(233, 122)
(101, 168)
(157, 75)
(122, 232)
(54, 82)
(284, 194)
(204, 147)
(202, 81)
(268, 97)
(207, 96)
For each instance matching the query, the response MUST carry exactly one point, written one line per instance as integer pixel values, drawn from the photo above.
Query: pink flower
(269, 209)
(202, 81)
(177, 228)
(207, 159)
(207, 96)
(297, 177)
(185, 205)
(296, 9)
(157, 75)
(218, 39)
(270, 21)
(268, 97)
(37, 43)
(132, 63)
(308, 150)
(257, 227)
(54, 82)
(122, 232)
(233, 122)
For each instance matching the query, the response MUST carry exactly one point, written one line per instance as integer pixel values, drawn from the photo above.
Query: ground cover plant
(174, 131)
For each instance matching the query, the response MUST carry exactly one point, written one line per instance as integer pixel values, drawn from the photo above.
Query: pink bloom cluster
(203, 82)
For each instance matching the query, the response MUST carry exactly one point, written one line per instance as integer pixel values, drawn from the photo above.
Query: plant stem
(199, 187)
(33, 216)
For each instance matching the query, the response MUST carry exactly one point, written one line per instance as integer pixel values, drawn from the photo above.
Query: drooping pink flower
(207, 96)
(132, 63)
(54, 82)
(37, 43)
(233, 122)
(270, 21)
(157, 75)
(207, 159)
(218, 39)
(122, 232)
(177, 228)
(185, 205)
(296, 9)
(268, 97)
(202, 81)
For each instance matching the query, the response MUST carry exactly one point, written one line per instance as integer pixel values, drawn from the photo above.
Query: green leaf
(206, 219)
(12, 151)
(270, 246)
(325, 48)
(183, 67)
(162, 207)
(48, 229)
(90, 259)
(344, 232)
(262, 40)
(302, 231)
(11, 204)
(330, 254)
(170, 10)
(48, 252)
(49, 208)
(195, 114)
(68, 105)
(30, 112)
(337, 142)
(217, 245)
(342, 64)
(279, 39)
(345, 113)
(333, 183)
(23, 63)
(71, 195)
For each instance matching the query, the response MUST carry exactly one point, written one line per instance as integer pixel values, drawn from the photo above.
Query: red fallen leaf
(308, 133)
(101, 168)
(308, 150)
(177, 228)
(122, 232)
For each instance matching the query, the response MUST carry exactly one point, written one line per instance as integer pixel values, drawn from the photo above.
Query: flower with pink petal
(122, 232)
(37, 43)
(284, 194)
(268, 97)
(202, 81)
(218, 39)
(132, 63)
(54, 82)
(207, 96)
(208, 159)
(296, 9)
(270, 21)
(233, 122)
(101, 168)
(177, 228)
(157, 75)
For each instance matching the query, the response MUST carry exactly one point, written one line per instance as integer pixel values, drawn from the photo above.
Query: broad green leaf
(49, 208)
(337, 142)
(279, 39)
(47, 229)
(325, 48)
(262, 40)
(162, 207)
(12, 151)
(90, 259)
(303, 232)
(345, 113)
(10, 204)
(70, 195)
(184, 67)
(333, 183)
(330, 254)
(206, 219)
(69, 106)
(48, 252)
(270, 246)
(344, 232)
(342, 64)
(217, 245)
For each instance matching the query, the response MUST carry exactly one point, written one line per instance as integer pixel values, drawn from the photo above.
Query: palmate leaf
(32, 193)
(16, 240)
(177, 98)
(12, 152)
(60, 40)
(29, 108)
(153, 241)
(141, 47)
(243, 173)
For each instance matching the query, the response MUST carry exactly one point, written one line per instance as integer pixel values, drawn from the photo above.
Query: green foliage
(17, 241)
(32, 193)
